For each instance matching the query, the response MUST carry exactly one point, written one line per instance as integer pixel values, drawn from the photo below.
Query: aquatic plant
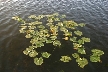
(46, 28)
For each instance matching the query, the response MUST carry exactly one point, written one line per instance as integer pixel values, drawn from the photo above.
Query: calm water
(92, 12)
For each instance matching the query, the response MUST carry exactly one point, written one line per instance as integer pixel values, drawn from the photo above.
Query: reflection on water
(92, 12)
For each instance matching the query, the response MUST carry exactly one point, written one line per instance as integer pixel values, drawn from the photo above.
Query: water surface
(94, 13)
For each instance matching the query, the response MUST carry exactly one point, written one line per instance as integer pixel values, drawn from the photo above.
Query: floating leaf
(38, 61)
(97, 52)
(33, 53)
(65, 58)
(41, 26)
(79, 33)
(75, 45)
(22, 31)
(82, 62)
(94, 58)
(63, 29)
(85, 39)
(75, 55)
(32, 16)
(49, 41)
(81, 51)
(80, 41)
(55, 14)
(49, 24)
(31, 27)
(28, 36)
(60, 24)
(56, 19)
(82, 24)
(63, 16)
(18, 19)
(45, 54)
(53, 37)
(56, 43)
(68, 34)
(50, 20)
(73, 39)
(27, 51)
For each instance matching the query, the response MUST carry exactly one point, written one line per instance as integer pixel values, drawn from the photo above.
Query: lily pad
(41, 26)
(82, 62)
(65, 58)
(46, 54)
(97, 52)
(68, 34)
(38, 61)
(28, 36)
(49, 41)
(22, 31)
(33, 53)
(85, 39)
(94, 58)
(73, 39)
(56, 43)
(75, 55)
(79, 33)
(80, 41)
(82, 24)
(53, 37)
(81, 51)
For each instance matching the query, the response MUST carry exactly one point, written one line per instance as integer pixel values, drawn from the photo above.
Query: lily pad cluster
(95, 57)
(45, 29)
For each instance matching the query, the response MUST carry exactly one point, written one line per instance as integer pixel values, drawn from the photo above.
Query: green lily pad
(33, 53)
(82, 62)
(55, 14)
(56, 43)
(22, 31)
(75, 55)
(56, 19)
(68, 34)
(75, 45)
(85, 39)
(60, 24)
(94, 58)
(79, 33)
(49, 41)
(32, 16)
(49, 24)
(80, 41)
(45, 54)
(65, 58)
(41, 26)
(81, 24)
(53, 37)
(28, 36)
(63, 29)
(73, 39)
(97, 52)
(38, 61)
(31, 27)
(27, 51)
(81, 50)
(63, 16)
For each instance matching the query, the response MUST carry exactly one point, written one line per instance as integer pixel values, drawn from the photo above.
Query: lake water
(94, 13)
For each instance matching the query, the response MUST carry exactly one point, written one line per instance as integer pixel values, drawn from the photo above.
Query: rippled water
(92, 12)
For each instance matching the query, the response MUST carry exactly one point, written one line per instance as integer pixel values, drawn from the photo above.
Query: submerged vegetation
(46, 29)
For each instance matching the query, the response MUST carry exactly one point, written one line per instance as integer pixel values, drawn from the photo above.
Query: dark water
(92, 12)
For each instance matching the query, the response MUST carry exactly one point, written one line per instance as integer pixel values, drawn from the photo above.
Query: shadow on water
(92, 12)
